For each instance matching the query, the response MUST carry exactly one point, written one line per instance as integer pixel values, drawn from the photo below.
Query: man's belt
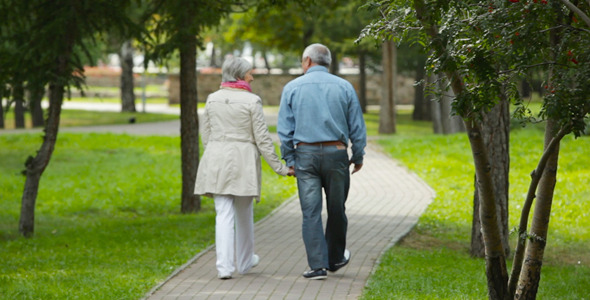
(330, 143)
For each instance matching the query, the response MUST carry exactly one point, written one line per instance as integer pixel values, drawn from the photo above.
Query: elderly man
(319, 115)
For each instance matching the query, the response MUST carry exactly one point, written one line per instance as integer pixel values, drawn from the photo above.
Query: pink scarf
(240, 84)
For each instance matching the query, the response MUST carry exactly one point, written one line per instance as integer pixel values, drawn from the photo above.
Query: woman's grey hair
(234, 69)
(318, 54)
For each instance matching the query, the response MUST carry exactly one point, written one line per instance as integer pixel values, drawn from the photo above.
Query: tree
(57, 56)
(36, 92)
(388, 99)
(1, 107)
(177, 26)
(485, 50)
(422, 107)
(126, 49)
(443, 120)
(127, 82)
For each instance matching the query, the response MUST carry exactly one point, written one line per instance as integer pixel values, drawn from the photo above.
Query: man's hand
(357, 167)
(291, 171)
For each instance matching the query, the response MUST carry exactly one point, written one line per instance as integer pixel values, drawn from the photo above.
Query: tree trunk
(496, 135)
(496, 272)
(435, 110)
(530, 274)
(266, 64)
(35, 166)
(36, 93)
(451, 124)
(335, 66)
(1, 111)
(18, 95)
(536, 176)
(532, 260)
(363, 80)
(444, 122)
(127, 85)
(213, 59)
(387, 110)
(189, 124)
(477, 246)
(422, 105)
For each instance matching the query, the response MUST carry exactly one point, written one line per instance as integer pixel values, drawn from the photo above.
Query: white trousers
(234, 233)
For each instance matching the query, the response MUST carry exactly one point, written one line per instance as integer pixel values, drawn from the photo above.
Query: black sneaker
(341, 264)
(316, 274)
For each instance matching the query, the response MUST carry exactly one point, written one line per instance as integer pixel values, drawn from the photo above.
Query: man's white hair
(318, 54)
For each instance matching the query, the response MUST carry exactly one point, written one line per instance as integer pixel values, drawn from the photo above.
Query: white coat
(234, 135)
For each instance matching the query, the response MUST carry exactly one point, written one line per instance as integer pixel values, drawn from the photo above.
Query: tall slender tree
(177, 27)
(127, 80)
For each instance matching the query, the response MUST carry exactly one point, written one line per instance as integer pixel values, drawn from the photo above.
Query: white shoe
(224, 276)
(255, 260)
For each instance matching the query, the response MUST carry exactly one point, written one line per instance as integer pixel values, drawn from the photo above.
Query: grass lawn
(108, 224)
(86, 117)
(433, 261)
(111, 99)
(107, 217)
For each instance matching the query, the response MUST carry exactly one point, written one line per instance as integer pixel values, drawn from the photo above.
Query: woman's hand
(357, 167)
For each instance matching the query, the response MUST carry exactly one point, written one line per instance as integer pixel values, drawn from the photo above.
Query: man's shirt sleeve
(286, 128)
(358, 130)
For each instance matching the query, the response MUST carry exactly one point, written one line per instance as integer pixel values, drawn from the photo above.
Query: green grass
(107, 217)
(85, 117)
(433, 261)
(108, 224)
(115, 99)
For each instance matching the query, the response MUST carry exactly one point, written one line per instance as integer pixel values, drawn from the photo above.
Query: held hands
(357, 167)
(291, 171)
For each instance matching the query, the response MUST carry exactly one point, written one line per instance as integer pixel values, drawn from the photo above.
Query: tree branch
(526, 209)
(527, 67)
(577, 11)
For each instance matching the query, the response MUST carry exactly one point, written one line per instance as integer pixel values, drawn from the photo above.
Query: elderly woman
(235, 134)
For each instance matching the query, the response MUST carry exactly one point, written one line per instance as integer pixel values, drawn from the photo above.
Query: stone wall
(269, 87)
(113, 80)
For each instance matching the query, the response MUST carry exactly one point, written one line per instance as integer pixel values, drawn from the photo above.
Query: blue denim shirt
(320, 107)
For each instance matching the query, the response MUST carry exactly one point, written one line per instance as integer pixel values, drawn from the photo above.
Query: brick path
(385, 202)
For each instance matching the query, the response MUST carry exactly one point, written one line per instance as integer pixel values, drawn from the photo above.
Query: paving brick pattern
(385, 202)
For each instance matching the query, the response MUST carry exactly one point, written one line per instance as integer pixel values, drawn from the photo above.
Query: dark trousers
(327, 168)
